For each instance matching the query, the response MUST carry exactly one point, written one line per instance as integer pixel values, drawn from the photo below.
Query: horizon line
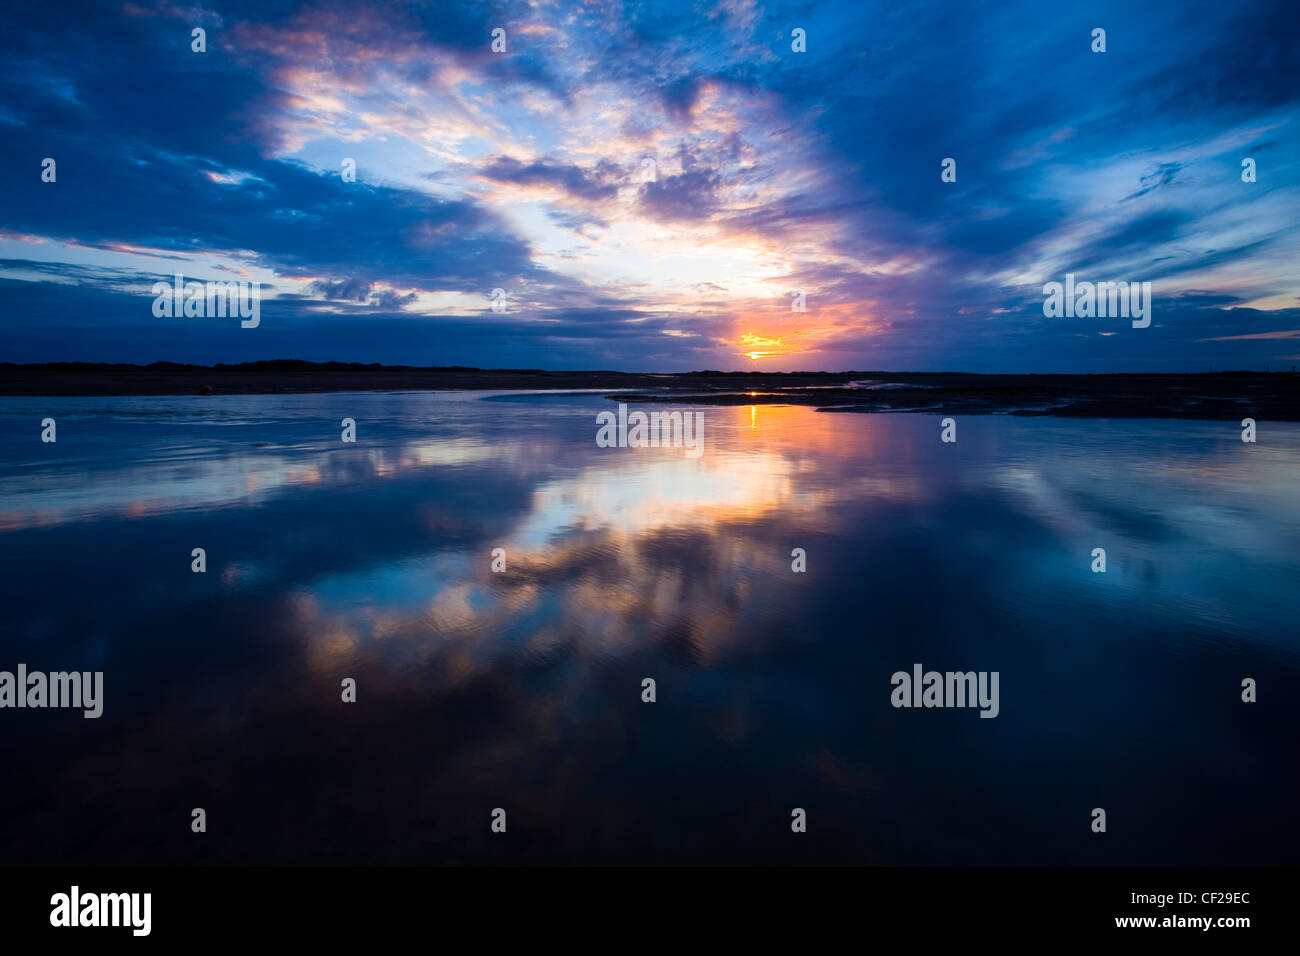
(380, 366)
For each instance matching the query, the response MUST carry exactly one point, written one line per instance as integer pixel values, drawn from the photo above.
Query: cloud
(773, 171)
(598, 183)
(1164, 175)
(688, 195)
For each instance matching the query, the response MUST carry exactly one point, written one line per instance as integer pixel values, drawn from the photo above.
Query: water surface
(522, 690)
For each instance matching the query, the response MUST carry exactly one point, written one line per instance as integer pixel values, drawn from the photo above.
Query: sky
(648, 184)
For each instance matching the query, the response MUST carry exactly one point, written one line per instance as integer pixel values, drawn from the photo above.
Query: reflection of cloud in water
(148, 488)
(478, 689)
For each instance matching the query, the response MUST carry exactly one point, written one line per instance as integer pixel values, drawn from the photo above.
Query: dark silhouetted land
(1224, 395)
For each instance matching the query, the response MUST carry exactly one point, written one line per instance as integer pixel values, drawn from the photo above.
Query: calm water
(522, 690)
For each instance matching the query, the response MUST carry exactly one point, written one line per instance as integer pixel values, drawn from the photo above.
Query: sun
(761, 347)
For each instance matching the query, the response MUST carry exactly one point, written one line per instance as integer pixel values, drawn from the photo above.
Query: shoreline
(1217, 396)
